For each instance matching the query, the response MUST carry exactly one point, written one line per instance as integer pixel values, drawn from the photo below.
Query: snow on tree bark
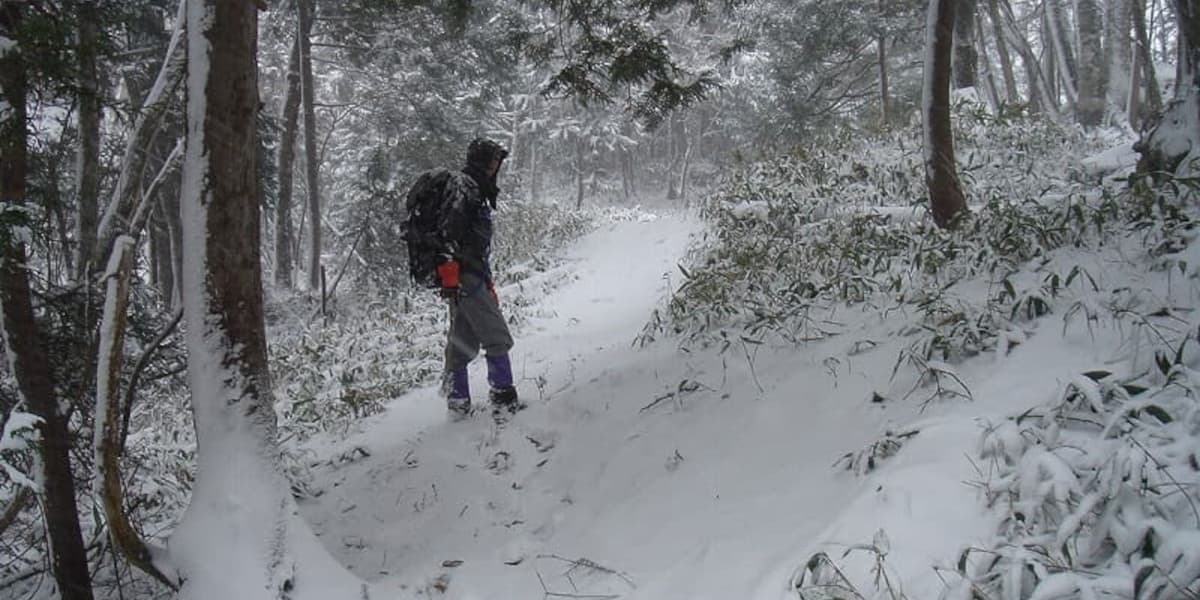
(240, 536)
(945, 193)
(1172, 145)
(107, 440)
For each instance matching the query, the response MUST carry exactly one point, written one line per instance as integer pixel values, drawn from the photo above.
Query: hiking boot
(458, 408)
(505, 399)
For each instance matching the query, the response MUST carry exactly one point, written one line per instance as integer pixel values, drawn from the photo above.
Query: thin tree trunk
(1154, 101)
(884, 108)
(284, 234)
(966, 59)
(125, 195)
(1006, 66)
(1188, 14)
(89, 137)
(578, 171)
(1170, 145)
(1056, 27)
(1117, 51)
(946, 198)
(1092, 71)
(107, 439)
(27, 357)
(1040, 82)
(160, 255)
(310, 144)
(988, 68)
(687, 163)
(1134, 104)
(170, 208)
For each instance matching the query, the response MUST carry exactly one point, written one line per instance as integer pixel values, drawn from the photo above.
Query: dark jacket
(466, 224)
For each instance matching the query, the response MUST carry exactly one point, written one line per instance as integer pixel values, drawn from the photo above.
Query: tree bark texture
(945, 192)
(966, 58)
(1064, 57)
(26, 356)
(1154, 100)
(107, 443)
(311, 166)
(284, 234)
(1006, 66)
(226, 337)
(989, 68)
(1093, 71)
(1118, 50)
(88, 189)
(1188, 13)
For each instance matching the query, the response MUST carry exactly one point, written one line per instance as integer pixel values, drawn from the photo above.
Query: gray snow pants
(475, 322)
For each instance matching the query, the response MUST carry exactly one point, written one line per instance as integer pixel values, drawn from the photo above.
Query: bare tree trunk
(1134, 104)
(945, 192)
(884, 108)
(1171, 145)
(240, 536)
(107, 441)
(578, 171)
(231, 391)
(125, 195)
(310, 144)
(1188, 14)
(1059, 36)
(993, 90)
(966, 59)
(170, 209)
(1041, 93)
(1092, 71)
(287, 157)
(1154, 101)
(687, 162)
(1118, 51)
(1006, 66)
(27, 357)
(161, 265)
(675, 155)
(89, 136)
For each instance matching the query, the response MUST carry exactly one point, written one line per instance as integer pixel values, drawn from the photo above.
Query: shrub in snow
(1099, 492)
(796, 238)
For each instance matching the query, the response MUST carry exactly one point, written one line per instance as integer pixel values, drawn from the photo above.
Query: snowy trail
(721, 492)
(584, 473)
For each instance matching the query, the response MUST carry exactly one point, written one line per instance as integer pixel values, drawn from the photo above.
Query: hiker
(464, 275)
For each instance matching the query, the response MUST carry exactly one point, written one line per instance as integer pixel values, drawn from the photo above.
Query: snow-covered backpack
(424, 205)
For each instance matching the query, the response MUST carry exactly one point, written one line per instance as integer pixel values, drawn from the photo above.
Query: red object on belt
(448, 273)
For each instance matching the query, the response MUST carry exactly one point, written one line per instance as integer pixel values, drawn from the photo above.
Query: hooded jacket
(466, 223)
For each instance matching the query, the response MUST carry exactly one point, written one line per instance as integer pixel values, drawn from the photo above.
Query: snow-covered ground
(651, 473)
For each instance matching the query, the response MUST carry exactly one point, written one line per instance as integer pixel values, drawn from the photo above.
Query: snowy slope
(721, 490)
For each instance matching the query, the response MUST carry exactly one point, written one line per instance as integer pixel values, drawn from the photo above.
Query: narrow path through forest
(660, 496)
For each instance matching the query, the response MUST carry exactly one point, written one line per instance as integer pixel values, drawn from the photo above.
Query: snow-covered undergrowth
(329, 372)
(375, 346)
(1096, 493)
(794, 238)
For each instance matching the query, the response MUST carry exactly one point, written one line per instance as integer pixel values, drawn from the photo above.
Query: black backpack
(424, 205)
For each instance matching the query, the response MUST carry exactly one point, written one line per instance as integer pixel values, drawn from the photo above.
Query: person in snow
(465, 275)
